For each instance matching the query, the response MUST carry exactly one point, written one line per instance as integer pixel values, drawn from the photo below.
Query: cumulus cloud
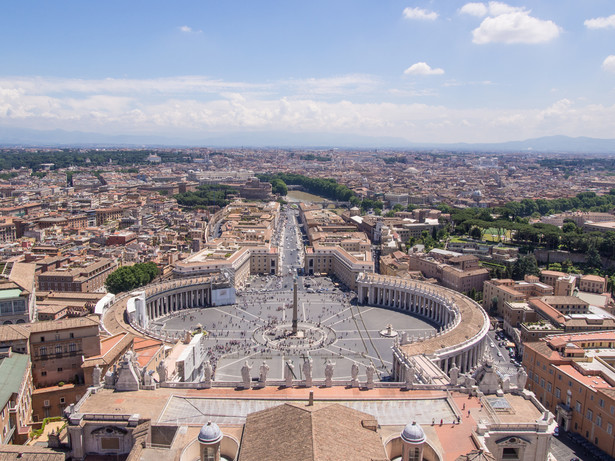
(508, 24)
(609, 63)
(422, 68)
(474, 9)
(518, 27)
(420, 13)
(600, 23)
(236, 107)
(498, 8)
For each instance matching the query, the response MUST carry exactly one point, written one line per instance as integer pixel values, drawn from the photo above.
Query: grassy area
(493, 235)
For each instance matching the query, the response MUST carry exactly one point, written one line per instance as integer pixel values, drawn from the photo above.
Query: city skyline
(419, 71)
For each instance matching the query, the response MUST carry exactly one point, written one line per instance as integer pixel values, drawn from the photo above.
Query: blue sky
(424, 71)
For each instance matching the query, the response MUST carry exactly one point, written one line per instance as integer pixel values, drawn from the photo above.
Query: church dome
(210, 433)
(413, 433)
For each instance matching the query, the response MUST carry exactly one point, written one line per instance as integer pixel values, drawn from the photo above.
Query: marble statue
(453, 373)
(96, 374)
(369, 372)
(354, 375)
(208, 372)
(521, 378)
(329, 368)
(288, 373)
(307, 372)
(245, 375)
(147, 378)
(162, 372)
(109, 380)
(264, 369)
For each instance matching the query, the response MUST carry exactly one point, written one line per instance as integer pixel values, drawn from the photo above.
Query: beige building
(497, 292)
(333, 260)
(86, 276)
(58, 348)
(15, 396)
(593, 284)
(571, 375)
(17, 293)
(458, 272)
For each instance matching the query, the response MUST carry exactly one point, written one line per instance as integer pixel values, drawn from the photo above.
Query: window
(601, 403)
(577, 406)
(609, 429)
(589, 415)
(542, 382)
(549, 387)
(510, 453)
(43, 373)
(71, 335)
(599, 421)
(60, 369)
(612, 409)
(42, 339)
(42, 351)
(61, 399)
(110, 443)
(45, 403)
(558, 393)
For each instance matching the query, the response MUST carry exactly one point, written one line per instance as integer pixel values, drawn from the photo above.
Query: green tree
(127, 278)
(476, 233)
(593, 258)
(525, 265)
(279, 187)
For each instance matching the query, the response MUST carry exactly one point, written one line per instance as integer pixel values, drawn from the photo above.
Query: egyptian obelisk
(294, 332)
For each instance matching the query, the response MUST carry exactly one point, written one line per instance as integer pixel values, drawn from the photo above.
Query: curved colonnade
(462, 336)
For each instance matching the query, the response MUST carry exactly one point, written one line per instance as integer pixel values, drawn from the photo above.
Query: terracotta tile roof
(320, 433)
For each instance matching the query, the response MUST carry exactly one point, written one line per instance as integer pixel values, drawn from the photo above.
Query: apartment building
(497, 292)
(17, 293)
(15, 396)
(459, 272)
(573, 377)
(58, 348)
(86, 276)
(334, 260)
(593, 284)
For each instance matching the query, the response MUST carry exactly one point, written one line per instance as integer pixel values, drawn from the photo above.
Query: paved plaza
(332, 327)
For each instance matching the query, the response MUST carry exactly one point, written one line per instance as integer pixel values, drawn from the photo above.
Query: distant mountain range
(56, 138)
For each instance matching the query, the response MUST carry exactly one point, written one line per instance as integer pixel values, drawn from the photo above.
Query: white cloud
(508, 24)
(160, 109)
(422, 68)
(600, 23)
(515, 27)
(498, 8)
(420, 13)
(189, 30)
(609, 63)
(474, 9)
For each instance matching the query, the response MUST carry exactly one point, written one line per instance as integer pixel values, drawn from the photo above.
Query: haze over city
(397, 72)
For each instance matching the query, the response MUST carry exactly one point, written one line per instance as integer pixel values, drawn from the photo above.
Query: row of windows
(72, 347)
